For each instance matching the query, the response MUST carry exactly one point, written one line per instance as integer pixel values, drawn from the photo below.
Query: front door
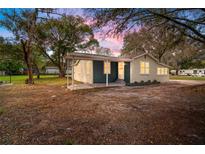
(127, 72)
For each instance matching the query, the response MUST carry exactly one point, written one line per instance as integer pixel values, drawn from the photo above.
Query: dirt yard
(169, 113)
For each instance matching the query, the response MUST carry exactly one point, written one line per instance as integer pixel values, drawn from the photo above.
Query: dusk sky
(114, 43)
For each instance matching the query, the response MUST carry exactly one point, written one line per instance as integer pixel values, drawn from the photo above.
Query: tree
(10, 58)
(39, 61)
(182, 54)
(61, 36)
(103, 51)
(22, 24)
(156, 41)
(11, 66)
(191, 22)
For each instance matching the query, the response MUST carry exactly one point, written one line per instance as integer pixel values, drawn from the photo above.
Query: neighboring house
(2, 73)
(55, 70)
(52, 70)
(91, 68)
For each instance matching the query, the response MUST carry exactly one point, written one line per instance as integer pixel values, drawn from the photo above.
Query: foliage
(180, 24)
(63, 35)
(156, 41)
(11, 66)
(11, 60)
(183, 54)
(22, 23)
(103, 51)
(188, 21)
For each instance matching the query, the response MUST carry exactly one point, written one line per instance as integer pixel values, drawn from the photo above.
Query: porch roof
(86, 56)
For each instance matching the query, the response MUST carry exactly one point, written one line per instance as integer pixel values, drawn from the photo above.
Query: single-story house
(92, 68)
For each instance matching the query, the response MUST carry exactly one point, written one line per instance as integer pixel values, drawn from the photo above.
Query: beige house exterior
(83, 71)
(154, 66)
(91, 68)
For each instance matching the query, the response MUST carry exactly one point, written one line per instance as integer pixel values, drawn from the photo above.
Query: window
(162, 71)
(144, 67)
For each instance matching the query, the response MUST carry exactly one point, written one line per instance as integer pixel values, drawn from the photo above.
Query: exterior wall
(83, 72)
(135, 75)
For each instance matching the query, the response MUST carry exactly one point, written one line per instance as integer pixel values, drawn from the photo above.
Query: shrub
(155, 82)
(142, 83)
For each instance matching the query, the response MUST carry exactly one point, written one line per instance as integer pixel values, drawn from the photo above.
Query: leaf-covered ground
(169, 113)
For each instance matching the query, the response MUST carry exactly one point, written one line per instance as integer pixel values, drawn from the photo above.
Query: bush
(155, 82)
(143, 83)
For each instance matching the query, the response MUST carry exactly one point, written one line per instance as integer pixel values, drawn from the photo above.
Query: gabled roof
(156, 60)
(87, 56)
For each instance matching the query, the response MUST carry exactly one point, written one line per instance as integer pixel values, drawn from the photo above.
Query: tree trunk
(28, 61)
(37, 70)
(30, 70)
(177, 71)
(61, 72)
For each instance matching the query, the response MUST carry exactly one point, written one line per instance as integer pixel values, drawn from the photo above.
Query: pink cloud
(113, 42)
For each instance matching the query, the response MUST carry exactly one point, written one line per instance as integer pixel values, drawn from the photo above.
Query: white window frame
(146, 69)
(162, 71)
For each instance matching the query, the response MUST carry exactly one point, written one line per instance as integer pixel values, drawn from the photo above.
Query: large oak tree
(62, 35)
(157, 41)
(22, 24)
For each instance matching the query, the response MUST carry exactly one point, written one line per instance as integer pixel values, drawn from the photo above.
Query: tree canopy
(191, 22)
(63, 35)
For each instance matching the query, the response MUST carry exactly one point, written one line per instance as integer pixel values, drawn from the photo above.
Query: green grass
(186, 78)
(2, 110)
(44, 79)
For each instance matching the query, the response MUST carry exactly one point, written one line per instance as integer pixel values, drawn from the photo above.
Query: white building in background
(52, 70)
(2, 72)
(192, 72)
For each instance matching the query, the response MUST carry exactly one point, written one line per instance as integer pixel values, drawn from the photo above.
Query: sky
(114, 43)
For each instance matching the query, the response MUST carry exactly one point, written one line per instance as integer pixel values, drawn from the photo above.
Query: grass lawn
(44, 79)
(175, 77)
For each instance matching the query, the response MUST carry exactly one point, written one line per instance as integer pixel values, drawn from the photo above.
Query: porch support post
(73, 74)
(107, 77)
(106, 80)
(67, 73)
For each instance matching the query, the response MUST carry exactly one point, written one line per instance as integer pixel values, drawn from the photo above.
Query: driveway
(188, 82)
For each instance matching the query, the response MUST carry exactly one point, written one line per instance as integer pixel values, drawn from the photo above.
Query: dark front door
(127, 72)
(98, 72)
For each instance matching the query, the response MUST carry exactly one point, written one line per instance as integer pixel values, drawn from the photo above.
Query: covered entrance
(99, 75)
(104, 70)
